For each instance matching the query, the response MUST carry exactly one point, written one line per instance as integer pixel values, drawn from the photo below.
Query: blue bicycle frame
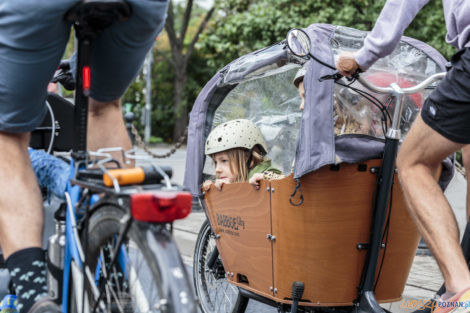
(73, 248)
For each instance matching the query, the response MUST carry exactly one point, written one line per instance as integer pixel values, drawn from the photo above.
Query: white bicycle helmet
(240, 133)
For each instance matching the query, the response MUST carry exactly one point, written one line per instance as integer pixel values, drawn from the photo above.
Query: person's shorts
(33, 36)
(447, 109)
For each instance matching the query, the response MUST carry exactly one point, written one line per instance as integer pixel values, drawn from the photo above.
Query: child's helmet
(240, 133)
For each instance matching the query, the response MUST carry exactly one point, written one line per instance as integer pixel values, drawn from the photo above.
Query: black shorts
(447, 109)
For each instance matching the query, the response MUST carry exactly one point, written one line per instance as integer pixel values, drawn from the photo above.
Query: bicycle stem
(394, 131)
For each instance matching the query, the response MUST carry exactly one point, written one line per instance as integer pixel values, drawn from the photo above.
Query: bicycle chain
(141, 144)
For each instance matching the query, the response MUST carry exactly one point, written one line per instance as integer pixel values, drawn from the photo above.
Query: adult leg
(419, 157)
(466, 164)
(106, 127)
(21, 222)
(21, 216)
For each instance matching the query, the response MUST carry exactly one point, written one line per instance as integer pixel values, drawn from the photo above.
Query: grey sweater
(398, 14)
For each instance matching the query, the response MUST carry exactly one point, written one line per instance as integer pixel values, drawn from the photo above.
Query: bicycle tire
(215, 294)
(153, 279)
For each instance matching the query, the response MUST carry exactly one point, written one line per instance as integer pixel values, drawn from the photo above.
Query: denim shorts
(33, 36)
(447, 109)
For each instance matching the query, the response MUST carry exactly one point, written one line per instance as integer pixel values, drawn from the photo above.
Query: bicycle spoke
(217, 295)
(113, 294)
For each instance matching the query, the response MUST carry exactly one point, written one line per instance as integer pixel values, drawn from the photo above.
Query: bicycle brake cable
(371, 98)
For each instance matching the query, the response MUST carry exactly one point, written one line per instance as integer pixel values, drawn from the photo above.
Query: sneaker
(459, 303)
(45, 305)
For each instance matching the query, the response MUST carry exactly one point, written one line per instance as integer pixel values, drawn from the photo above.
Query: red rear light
(86, 78)
(161, 206)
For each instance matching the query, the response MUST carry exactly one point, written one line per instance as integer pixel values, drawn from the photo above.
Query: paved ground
(424, 279)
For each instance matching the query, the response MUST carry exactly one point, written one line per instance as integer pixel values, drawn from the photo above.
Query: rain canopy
(337, 124)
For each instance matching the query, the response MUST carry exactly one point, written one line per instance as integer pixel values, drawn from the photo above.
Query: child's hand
(207, 185)
(220, 182)
(254, 180)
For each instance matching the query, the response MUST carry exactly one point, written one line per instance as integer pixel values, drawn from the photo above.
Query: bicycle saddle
(93, 16)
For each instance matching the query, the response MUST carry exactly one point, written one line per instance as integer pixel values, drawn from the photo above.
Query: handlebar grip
(65, 65)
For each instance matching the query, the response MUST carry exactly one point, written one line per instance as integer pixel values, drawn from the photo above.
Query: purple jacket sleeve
(392, 22)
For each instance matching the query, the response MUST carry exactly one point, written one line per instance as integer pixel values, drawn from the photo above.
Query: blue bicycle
(112, 250)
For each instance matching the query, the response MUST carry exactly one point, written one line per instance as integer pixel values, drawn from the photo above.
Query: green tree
(247, 25)
(178, 72)
(182, 49)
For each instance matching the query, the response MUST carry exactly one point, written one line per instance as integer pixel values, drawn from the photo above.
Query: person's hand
(254, 180)
(220, 182)
(346, 64)
(302, 95)
(207, 185)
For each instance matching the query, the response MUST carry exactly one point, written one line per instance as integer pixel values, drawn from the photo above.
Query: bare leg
(419, 157)
(21, 214)
(106, 126)
(466, 164)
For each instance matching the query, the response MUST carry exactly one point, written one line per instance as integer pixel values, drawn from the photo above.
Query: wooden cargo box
(266, 243)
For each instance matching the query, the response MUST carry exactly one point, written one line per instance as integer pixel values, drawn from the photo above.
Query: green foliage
(162, 93)
(155, 140)
(162, 99)
(429, 27)
(244, 26)
(458, 156)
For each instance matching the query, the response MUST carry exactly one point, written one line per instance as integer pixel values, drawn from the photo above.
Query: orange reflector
(161, 206)
(124, 176)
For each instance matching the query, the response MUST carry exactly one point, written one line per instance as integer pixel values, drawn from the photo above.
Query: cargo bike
(334, 234)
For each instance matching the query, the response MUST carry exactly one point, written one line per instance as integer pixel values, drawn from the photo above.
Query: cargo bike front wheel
(215, 293)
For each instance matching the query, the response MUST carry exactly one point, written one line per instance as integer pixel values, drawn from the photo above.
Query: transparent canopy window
(406, 66)
(272, 103)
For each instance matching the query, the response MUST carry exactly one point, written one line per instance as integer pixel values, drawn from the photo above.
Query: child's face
(222, 167)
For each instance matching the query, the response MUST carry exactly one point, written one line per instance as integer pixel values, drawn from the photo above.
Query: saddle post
(83, 79)
(89, 18)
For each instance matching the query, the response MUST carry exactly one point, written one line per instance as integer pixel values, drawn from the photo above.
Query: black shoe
(45, 305)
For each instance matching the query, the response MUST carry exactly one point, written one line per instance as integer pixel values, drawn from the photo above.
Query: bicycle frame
(74, 256)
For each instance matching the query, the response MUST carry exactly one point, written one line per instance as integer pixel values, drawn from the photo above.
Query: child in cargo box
(237, 148)
(354, 114)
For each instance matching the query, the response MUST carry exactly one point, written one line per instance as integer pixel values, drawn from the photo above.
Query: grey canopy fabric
(335, 126)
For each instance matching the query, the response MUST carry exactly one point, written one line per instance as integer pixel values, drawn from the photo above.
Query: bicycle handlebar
(395, 88)
(394, 131)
